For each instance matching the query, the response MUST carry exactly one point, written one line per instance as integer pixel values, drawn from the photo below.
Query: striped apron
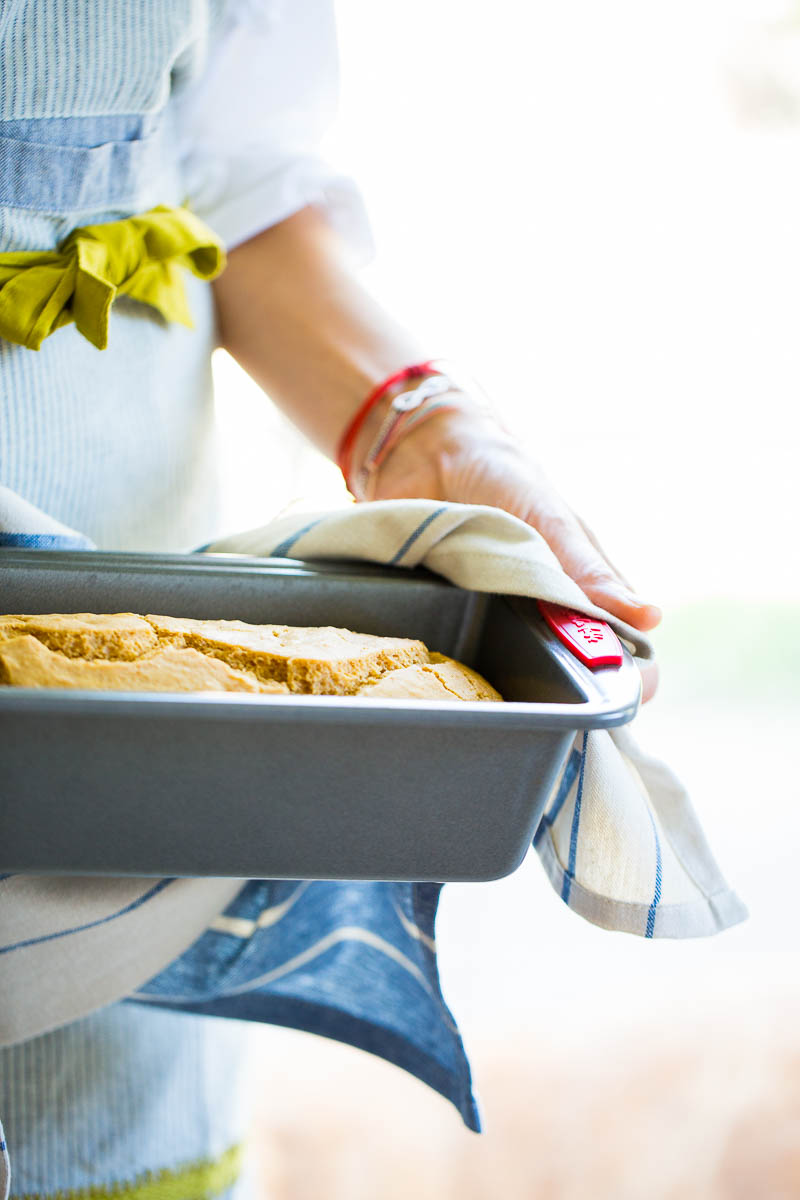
(118, 444)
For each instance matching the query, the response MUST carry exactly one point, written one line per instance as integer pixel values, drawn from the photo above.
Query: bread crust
(320, 661)
(25, 662)
(130, 652)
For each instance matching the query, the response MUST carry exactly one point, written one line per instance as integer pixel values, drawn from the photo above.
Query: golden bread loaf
(129, 652)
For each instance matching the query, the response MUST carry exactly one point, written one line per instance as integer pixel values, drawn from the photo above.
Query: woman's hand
(468, 459)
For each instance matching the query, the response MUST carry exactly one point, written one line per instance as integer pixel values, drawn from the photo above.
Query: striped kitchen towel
(619, 840)
(27, 528)
(356, 961)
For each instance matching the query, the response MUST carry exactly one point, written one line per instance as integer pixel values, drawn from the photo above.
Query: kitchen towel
(619, 841)
(356, 961)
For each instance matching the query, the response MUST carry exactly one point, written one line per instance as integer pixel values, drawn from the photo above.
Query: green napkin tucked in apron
(140, 256)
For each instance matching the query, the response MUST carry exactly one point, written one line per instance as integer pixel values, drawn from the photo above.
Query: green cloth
(140, 257)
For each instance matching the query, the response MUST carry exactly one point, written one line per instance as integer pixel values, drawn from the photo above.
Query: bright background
(595, 208)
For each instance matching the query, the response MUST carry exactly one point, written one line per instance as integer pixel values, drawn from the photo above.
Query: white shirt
(250, 126)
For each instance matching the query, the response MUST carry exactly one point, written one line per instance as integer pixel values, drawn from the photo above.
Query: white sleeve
(249, 128)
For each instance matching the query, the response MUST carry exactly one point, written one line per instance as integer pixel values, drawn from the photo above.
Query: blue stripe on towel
(569, 874)
(651, 914)
(50, 937)
(46, 541)
(564, 789)
(283, 549)
(409, 542)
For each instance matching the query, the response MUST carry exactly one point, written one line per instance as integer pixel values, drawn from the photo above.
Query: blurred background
(595, 208)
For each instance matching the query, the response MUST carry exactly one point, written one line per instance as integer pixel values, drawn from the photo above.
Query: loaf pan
(298, 787)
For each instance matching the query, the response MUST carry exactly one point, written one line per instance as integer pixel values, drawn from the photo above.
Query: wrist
(373, 422)
(385, 436)
(428, 460)
(383, 393)
(410, 403)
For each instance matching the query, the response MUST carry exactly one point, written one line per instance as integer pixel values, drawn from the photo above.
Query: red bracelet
(345, 452)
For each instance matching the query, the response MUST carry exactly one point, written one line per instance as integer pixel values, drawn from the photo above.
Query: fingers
(592, 538)
(607, 587)
(581, 557)
(642, 615)
(621, 602)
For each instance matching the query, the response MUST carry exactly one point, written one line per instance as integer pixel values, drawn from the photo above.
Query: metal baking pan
(299, 787)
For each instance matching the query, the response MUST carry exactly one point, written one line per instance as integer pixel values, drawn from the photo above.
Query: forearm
(294, 315)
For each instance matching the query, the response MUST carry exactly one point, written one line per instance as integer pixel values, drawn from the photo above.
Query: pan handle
(592, 655)
(593, 642)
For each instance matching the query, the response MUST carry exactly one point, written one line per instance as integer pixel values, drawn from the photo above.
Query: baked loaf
(128, 652)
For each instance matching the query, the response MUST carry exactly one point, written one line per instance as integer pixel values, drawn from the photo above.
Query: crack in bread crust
(442, 679)
(25, 662)
(316, 661)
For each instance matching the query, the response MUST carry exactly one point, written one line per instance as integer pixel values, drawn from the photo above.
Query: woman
(108, 110)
